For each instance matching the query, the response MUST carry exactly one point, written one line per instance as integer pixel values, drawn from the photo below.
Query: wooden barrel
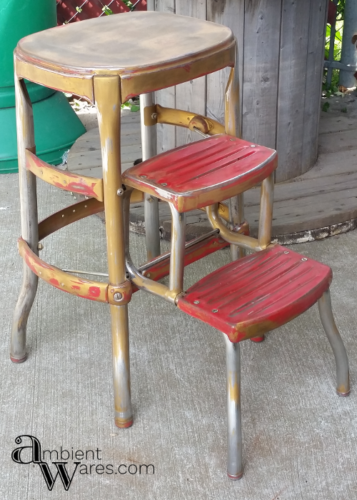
(281, 48)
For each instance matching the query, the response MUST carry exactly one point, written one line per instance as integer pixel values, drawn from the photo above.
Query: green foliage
(337, 48)
(107, 11)
(325, 106)
(129, 4)
(341, 10)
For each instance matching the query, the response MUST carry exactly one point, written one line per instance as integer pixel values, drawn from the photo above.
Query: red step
(257, 293)
(203, 173)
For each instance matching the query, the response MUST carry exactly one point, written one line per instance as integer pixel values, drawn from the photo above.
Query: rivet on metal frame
(39, 246)
(120, 192)
(196, 301)
(117, 296)
(164, 184)
(215, 310)
(304, 259)
(154, 116)
(143, 176)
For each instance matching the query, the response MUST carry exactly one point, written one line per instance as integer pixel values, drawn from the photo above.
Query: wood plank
(191, 96)
(291, 194)
(292, 69)
(339, 163)
(166, 134)
(261, 70)
(336, 122)
(339, 141)
(313, 81)
(231, 14)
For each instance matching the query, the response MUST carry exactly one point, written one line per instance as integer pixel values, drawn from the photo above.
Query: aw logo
(34, 456)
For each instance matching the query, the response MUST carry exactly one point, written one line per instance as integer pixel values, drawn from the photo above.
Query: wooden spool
(281, 46)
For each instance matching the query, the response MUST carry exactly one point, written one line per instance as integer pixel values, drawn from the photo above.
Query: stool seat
(204, 172)
(131, 45)
(257, 293)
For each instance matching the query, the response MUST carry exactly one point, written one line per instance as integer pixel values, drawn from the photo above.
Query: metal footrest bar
(87, 289)
(93, 290)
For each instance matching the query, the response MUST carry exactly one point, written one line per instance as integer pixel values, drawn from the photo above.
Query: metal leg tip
(18, 360)
(343, 394)
(123, 424)
(235, 477)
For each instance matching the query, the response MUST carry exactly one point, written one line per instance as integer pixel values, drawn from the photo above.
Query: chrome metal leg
(266, 211)
(107, 92)
(235, 465)
(29, 221)
(177, 250)
(236, 212)
(327, 319)
(151, 206)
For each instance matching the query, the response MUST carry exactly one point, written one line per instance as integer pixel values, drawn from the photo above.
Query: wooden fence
(281, 47)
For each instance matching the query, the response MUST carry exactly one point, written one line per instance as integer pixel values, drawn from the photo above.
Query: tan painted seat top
(123, 43)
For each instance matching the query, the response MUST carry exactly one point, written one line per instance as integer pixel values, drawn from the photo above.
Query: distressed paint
(234, 424)
(86, 289)
(108, 101)
(223, 166)
(261, 292)
(86, 186)
(192, 254)
(188, 119)
(333, 335)
(29, 225)
(266, 211)
(238, 238)
(177, 250)
(175, 63)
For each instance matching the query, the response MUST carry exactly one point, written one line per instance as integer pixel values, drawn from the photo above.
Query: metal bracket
(120, 295)
(150, 115)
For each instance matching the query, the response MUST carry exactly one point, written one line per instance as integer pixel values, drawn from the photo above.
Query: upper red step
(204, 172)
(257, 293)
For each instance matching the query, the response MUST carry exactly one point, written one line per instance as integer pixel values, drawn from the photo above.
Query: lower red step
(257, 293)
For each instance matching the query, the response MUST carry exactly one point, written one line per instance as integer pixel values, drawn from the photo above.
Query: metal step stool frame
(38, 59)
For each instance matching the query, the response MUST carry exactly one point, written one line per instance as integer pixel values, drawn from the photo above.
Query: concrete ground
(299, 437)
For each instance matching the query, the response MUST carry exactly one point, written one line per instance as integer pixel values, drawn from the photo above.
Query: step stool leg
(151, 205)
(327, 319)
(107, 93)
(235, 465)
(232, 123)
(29, 221)
(177, 266)
(265, 220)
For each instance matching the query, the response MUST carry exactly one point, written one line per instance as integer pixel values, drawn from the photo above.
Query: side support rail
(87, 186)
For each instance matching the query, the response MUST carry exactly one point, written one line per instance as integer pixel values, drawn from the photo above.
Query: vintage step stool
(107, 61)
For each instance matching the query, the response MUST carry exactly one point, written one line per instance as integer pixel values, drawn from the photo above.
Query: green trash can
(56, 124)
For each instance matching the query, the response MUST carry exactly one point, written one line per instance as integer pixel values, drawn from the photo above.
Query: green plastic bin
(56, 125)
